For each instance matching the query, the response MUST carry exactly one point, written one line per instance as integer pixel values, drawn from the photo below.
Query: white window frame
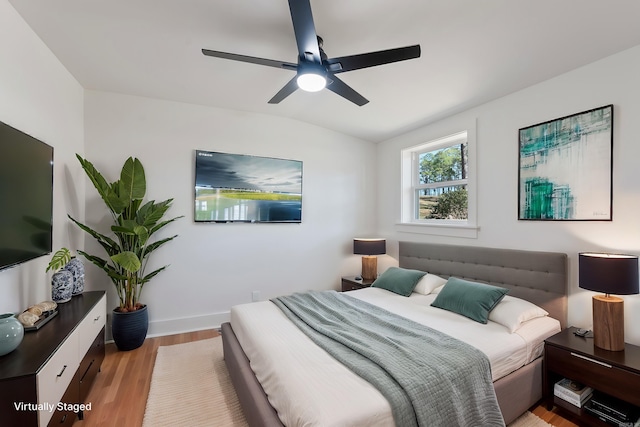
(410, 184)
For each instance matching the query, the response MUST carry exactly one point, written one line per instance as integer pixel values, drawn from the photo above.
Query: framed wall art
(565, 170)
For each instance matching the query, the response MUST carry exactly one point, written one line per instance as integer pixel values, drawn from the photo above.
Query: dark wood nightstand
(616, 373)
(350, 283)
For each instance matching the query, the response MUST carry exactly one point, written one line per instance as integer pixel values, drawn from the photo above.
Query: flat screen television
(243, 188)
(26, 197)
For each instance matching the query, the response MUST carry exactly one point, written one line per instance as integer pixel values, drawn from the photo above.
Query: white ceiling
(473, 51)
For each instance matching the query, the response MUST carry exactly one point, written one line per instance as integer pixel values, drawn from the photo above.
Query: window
(441, 182)
(438, 185)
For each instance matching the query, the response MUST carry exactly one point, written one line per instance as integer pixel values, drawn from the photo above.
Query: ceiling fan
(314, 70)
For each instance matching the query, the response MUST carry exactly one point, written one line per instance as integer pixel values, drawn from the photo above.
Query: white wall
(215, 266)
(39, 97)
(613, 80)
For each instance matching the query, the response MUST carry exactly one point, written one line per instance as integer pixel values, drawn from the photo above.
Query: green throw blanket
(429, 378)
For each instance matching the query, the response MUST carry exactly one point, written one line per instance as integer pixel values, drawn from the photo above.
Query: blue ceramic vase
(76, 267)
(11, 333)
(61, 286)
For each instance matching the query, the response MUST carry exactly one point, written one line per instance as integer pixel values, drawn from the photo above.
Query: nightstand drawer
(352, 287)
(600, 375)
(351, 284)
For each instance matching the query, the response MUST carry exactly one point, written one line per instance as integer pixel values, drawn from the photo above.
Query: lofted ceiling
(472, 51)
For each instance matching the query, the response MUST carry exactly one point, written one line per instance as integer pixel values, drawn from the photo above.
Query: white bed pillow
(428, 283)
(512, 312)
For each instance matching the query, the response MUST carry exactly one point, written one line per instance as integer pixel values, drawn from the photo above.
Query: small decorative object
(76, 267)
(611, 274)
(61, 286)
(38, 315)
(369, 248)
(28, 318)
(62, 280)
(11, 333)
(565, 168)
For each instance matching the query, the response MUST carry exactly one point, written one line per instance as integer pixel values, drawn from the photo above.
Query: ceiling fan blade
(341, 88)
(371, 59)
(287, 90)
(305, 30)
(251, 59)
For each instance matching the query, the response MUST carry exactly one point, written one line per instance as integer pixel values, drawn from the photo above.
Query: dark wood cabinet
(615, 373)
(54, 365)
(350, 283)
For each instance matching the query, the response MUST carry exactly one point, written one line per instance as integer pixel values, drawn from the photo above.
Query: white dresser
(54, 367)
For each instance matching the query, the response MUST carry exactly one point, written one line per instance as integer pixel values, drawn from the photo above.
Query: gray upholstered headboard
(539, 277)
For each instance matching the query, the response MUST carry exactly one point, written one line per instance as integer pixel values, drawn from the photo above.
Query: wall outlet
(255, 296)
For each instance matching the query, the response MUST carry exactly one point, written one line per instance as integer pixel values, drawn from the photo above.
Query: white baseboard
(187, 324)
(180, 325)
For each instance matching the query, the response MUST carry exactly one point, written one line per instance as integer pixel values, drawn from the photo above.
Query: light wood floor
(119, 393)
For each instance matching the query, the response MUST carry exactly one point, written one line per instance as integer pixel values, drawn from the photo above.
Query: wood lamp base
(608, 322)
(369, 267)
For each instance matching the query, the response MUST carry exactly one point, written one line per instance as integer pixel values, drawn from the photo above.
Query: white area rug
(529, 420)
(190, 386)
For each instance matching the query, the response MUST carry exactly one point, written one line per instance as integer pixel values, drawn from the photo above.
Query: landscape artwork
(565, 169)
(244, 188)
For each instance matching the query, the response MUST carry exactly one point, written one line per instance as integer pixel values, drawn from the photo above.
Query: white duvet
(308, 387)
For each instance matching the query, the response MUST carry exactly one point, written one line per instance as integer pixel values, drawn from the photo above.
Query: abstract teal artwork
(565, 170)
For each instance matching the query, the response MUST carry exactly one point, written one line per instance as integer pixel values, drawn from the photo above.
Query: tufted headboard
(539, 277)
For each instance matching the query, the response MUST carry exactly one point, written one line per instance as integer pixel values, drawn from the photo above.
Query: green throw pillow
(471, 299)
(401, 281)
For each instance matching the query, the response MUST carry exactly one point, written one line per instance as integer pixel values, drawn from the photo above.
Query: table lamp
(369, 248)
(611, 274)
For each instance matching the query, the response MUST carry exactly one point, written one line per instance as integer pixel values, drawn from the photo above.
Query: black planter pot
(130, 329)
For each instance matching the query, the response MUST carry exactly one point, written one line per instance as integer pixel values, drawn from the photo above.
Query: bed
(538, 277)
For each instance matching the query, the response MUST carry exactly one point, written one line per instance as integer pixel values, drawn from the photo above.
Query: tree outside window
(441, 190)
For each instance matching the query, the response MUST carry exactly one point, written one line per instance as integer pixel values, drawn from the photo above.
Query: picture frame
(565, 168)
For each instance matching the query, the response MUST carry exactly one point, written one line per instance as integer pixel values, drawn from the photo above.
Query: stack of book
(570, 391)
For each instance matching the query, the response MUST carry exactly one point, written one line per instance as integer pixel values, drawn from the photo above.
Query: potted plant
(134, 223)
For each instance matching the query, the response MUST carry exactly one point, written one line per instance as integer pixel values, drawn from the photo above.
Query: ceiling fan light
(311, 82)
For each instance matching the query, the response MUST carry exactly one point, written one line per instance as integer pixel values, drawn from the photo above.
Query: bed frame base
(253, 400)
(513, 398)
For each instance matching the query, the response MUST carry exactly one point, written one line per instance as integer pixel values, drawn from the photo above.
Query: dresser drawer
(52, 380)
(601, 376)
(91, 326)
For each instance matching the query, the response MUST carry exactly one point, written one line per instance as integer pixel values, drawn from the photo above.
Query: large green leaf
(142, 233)
(133, 180)
(162, 224)
(105, 190)
(109, 245)
(152, 212)
(149, 276)
(127, 260)
(126, 226)
(114, 274)
(155, 245)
